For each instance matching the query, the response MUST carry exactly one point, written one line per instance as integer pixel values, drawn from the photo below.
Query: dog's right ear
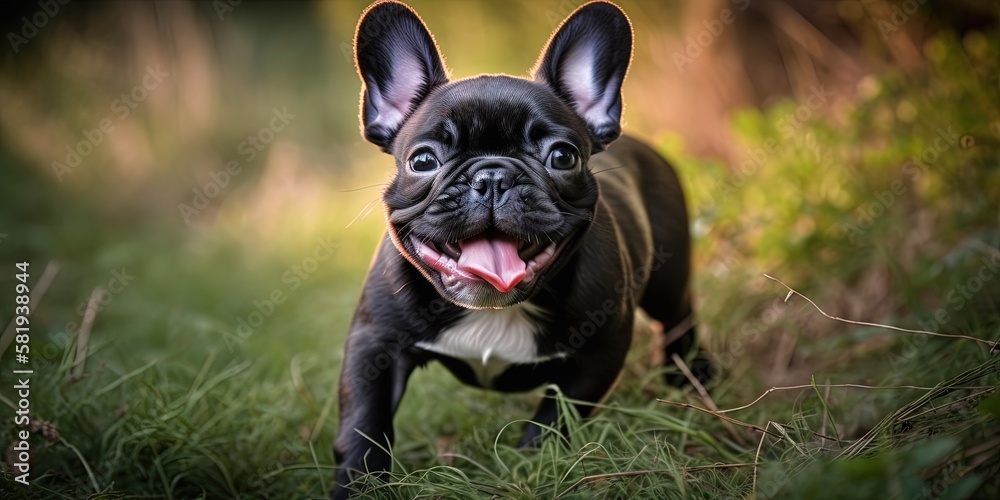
(399, 64)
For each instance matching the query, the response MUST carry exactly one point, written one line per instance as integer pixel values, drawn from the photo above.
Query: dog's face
(492, 192)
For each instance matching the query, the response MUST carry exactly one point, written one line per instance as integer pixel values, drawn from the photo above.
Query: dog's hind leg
(667, 297)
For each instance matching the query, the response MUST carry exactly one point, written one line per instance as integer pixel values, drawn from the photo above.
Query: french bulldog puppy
(523, 232)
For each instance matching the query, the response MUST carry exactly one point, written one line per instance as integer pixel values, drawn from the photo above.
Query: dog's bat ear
(399, 64)
(585, 62)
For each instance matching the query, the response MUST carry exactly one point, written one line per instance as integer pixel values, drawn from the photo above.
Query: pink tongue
(493, 259)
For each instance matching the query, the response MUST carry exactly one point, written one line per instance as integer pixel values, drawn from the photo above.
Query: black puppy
(520, 239)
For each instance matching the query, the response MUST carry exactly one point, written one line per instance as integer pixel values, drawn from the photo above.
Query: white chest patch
(491, 340)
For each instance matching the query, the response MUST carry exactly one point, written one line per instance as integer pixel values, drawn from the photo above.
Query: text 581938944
(22, 373)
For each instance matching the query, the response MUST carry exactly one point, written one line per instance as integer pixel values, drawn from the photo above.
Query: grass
(180, 415)
(175, 400)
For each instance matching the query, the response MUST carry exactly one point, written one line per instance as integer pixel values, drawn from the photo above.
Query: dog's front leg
(587, 377)
(372, 381)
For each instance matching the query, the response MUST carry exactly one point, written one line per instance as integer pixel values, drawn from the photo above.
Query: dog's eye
(562, 158)
(424, 161)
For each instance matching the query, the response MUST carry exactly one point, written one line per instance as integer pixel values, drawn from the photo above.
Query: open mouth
(501, 260)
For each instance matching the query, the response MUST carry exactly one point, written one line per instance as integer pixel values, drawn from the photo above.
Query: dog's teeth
(452, 249)
(424, 250)
(551, 249)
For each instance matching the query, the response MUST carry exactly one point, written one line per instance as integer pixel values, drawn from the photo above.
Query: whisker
(360, 188)
(606, 169)
(363, 213)
(570, 214)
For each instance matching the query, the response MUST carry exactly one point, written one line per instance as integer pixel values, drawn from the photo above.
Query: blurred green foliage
(906, 177)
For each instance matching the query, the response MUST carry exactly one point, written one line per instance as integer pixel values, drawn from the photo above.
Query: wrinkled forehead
(493, 113)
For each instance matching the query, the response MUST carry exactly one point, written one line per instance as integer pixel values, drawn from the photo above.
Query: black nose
(491, 185)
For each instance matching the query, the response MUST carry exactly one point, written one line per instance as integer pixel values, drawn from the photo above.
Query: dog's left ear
(585, 62)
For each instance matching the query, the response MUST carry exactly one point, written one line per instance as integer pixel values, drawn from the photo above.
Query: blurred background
(189, 185)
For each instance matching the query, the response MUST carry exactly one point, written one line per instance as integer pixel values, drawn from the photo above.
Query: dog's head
(492, 191)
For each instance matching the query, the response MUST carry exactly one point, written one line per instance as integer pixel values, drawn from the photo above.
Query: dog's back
(630, 165)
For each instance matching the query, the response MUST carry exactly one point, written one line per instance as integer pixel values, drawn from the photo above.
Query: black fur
(618, 220)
